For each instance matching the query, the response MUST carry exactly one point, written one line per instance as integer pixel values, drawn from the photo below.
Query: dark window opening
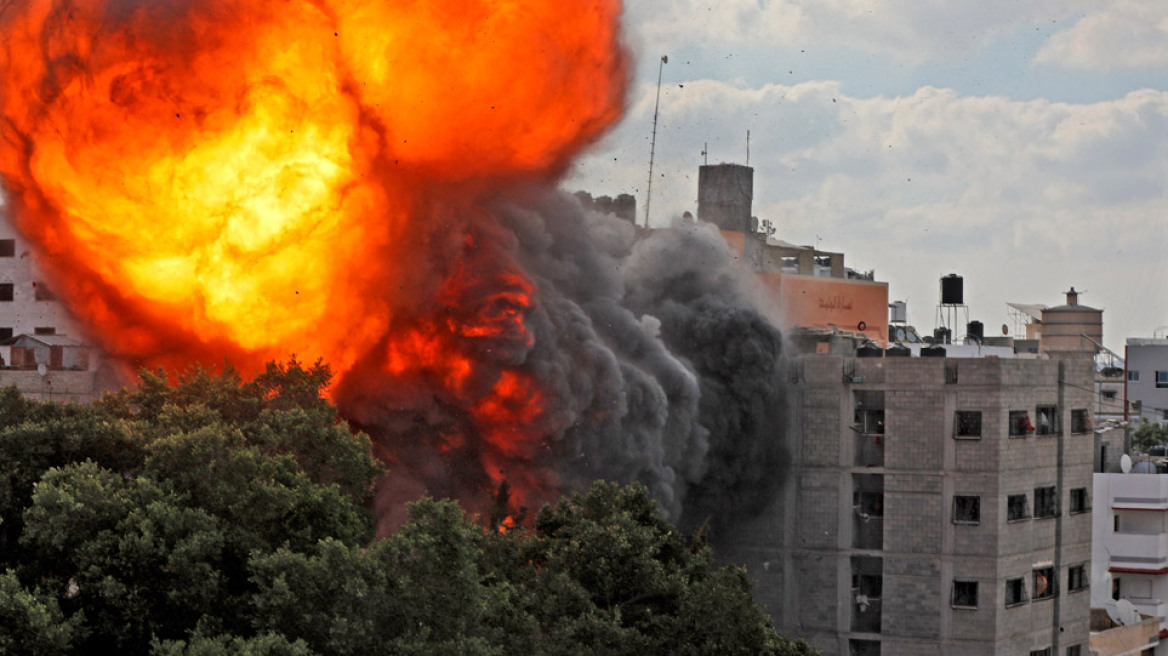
(1162, 379)
(1076, 578)
(1133, 376)
(7, 248)
(868, 504)
(6, 290)
(1017, 508)
(1115, 588)
(1080, 421)
(1041, 652)
(1047, 420)
(869, 414)
(5, 334)
(1108, 394)
(44, 330)
(1020, 423)
(1079, 503)
(1045, 502)
(1075, 650)
(966, 510)
(1015, 591)
(1044, 583)
(967, 423)
(964, 594)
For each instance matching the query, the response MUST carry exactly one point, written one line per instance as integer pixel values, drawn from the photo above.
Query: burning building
(373, 184)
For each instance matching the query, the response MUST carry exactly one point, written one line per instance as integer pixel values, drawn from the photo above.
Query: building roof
(49, 340)
(1147, 341)
(1032, 310)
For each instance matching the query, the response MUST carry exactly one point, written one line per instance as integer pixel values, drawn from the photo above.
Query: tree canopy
(209, 515)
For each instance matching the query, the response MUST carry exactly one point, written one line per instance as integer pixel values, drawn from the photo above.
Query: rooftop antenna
(653, 142)
(748, 147)
(705, 153)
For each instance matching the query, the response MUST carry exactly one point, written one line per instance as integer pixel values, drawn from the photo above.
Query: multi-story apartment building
(42, 351)
(933, 505)
(1146, 390)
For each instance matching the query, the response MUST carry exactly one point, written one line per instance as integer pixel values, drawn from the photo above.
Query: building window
(44, 330)
(1047, 419)
(5, 334)
(1045, 502)
(964, 594)
(1076, 578)
(1015, 591)
(966, 510)
(1044, 583)
(7, 248)
(1017, 508)
(1115, 588)
(1115, 523)
(1162, 379)
(1020, 423)
(1079, 500)
(42, 292)
(1108, 394)
(1041, 652)
(1075, 650)
(967, 423)
(6, 291)
(1080, 421)
(870, 421)
(1133, 376)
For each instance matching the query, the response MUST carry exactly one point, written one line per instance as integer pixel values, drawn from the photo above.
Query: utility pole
(653, 142)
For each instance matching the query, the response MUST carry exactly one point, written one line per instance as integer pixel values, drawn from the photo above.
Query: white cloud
(1023, 198)
(1126, 34)
(913, 32)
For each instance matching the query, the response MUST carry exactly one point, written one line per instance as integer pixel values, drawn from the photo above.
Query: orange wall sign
(859, 306)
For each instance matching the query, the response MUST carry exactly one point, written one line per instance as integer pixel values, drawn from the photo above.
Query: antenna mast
(748, 147)
(653, 143)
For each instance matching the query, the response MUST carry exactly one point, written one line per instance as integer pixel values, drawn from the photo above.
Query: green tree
(212, 515)
(1149, 434)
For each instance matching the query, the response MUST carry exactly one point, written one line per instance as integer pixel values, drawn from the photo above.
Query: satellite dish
(1005, 329)
(1128, 615)
(1125, 464)
(42, 369)
(900, 334)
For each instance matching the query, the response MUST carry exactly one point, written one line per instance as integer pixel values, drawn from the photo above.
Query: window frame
(1020, 584)
(1052, 414)
(957, 499)
(1080, 420)
(1026, 514)
(7, 292)
(1046, 502)
(967, 420)
(1051, 583)
(1077, 573)
(1080, 505)
(1020, 425)
(7, 248)
(1133, 375)
(953, 594)
(1161, 379)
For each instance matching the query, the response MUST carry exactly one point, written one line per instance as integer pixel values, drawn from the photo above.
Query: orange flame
(206, 178)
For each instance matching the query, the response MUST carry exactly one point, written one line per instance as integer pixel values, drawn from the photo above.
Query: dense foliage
(1149, 434)
(217, 516)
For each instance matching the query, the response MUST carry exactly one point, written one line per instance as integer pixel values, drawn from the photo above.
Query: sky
(1021, 144)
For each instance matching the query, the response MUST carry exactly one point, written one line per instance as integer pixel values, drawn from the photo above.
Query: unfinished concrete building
(934, 505)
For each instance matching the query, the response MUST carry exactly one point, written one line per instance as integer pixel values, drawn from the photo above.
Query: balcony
(1128, 549)
(865, 614)
(869, 450)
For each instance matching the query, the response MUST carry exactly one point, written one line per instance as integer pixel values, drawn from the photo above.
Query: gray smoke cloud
(653, 362)
(667, 372)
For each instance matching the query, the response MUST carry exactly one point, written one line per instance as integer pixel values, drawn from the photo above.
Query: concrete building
(811, 287)
(1130, 547)
(42, 350)
(934, 505)
(1146, 390)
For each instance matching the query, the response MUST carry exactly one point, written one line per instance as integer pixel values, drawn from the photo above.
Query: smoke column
(374, 184)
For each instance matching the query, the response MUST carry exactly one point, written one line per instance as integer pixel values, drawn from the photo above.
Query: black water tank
(942, 336)
(933, 352)
(951, 290)
(869, 350)
(898, 351)
(976, 330)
